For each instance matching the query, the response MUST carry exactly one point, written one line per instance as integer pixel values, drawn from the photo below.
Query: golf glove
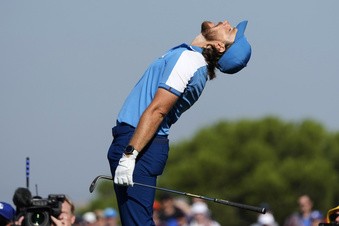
(124, 172)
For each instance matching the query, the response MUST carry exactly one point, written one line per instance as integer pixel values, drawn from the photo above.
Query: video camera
(36, 210)
(41, 209)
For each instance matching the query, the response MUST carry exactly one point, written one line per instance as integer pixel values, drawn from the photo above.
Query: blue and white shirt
(182, 71)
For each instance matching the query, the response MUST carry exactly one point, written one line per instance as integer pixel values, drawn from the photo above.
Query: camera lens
(39, 218)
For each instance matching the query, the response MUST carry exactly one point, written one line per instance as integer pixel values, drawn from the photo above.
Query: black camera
(40, 210)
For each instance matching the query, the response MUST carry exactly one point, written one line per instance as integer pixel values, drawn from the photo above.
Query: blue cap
(237, 56)
(7, 211)
(110, 212)
(316, 215)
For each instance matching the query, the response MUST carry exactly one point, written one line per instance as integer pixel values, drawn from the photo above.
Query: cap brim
(236, 57)
(241, 27)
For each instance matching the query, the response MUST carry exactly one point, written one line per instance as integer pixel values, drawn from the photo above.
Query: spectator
(181, 219)
(7, 214)
(99, 214)
(304, 216)
(67, 216)
(333, 215)
(111, 217)
(90, 218)
(79, 221)
(266, 219)
(169, 211)
(201, 215)
(183, 204)
(156, 213)
(316, 218)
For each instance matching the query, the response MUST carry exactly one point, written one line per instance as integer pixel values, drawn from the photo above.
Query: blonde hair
(69, 201)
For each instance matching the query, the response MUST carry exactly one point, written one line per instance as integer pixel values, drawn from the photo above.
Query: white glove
(124, 172)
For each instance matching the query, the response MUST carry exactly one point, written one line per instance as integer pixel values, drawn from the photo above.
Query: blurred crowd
(170, 211)
(106, 217)
(306, 215)
(177, 211)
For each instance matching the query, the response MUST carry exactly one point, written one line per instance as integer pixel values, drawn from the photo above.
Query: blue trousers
(136, 203)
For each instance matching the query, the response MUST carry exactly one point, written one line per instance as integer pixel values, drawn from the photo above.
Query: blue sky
(67, 66)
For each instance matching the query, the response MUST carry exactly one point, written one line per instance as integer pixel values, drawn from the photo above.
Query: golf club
(221, 201)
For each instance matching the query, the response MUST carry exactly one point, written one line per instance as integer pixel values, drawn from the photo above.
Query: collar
(193, 48)
(196, 48)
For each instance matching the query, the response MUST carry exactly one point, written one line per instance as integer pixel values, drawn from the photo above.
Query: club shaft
(220, 201)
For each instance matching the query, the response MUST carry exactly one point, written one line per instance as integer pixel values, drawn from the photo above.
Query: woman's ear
(220, 46)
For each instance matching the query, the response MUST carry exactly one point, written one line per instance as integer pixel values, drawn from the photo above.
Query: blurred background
(67, 66)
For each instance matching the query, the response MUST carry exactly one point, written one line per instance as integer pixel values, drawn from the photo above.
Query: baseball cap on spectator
(7, 211)
(110, 212)
(266, 219)
(89, 217)
(200, 208)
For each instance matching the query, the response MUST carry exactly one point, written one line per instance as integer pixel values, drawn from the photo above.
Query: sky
(67, 66)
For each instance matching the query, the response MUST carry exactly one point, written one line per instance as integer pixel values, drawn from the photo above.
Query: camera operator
(56, 210)
(67, 216)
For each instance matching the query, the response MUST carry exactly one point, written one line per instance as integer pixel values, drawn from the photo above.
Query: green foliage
(256, 162)
(252, 162)
(104, 197)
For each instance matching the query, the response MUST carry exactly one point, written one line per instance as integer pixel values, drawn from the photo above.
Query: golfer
(169, 86)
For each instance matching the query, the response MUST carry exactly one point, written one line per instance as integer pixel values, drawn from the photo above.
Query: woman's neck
(199, 41)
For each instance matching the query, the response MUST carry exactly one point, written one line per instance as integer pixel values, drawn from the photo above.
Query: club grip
(241, 206)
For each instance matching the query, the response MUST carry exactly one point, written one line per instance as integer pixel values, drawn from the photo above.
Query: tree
(256, 162)
(104, 197)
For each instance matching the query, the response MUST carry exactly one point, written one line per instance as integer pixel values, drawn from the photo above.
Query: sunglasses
(333, 217)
